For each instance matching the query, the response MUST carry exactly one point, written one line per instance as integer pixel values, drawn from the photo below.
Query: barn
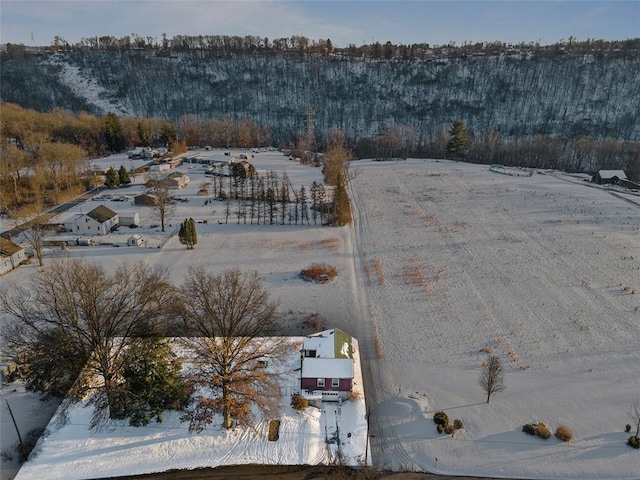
(602, 177)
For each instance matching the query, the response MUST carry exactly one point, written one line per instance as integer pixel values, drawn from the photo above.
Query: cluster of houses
(11, 255)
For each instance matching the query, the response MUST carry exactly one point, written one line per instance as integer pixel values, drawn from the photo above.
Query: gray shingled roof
(101, 214)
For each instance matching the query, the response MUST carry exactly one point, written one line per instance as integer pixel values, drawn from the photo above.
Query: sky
(37, 22)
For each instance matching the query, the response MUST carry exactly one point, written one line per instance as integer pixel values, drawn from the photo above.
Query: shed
(135, 240)
(608, 176)
(11, 255)
(146, 199)
(129, 219)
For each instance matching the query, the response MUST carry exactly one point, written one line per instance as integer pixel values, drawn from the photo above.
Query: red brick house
(327, 365)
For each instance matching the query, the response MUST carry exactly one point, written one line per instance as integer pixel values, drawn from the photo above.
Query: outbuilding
(11, 255)
(608, 176)
(135, 240)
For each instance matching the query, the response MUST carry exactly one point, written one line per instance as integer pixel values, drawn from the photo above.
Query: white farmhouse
(99, 221)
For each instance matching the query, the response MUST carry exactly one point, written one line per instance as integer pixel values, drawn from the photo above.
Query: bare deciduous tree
(96, 311)
(230, 315)
(634, 413)
(163, 208)
(492, 377)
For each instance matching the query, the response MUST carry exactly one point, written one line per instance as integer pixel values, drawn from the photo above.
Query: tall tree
(229, 316)
(123, 176)
(459, 140)
(188, 235)
(99, 312)
(152, 381)
(111, 178)
(163, 208)
(492, 377)
(114, 134)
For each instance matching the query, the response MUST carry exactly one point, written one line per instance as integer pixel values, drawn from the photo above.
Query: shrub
(441, 418)
(299, 402)
(354, 395)
(440, 428)
(633, 442)
(627, 428)
(563, 433)
(319, 272)
(457, 424)
(448, 429)
(529, 429)
(542, 431)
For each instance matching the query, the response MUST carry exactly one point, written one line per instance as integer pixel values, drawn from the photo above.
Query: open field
(444, 263)
(540, 271)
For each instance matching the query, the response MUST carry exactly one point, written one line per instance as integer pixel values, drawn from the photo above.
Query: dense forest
(573, 106)
(567, 89)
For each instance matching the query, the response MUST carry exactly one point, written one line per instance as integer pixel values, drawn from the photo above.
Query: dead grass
(332, 244)
(382, 281)
(319, 272)
(274, 430)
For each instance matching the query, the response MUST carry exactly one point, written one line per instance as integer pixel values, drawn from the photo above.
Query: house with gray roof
(99, 221)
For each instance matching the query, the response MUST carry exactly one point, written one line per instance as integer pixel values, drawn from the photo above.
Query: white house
(99, 221)
(174, 180)
(11, 255)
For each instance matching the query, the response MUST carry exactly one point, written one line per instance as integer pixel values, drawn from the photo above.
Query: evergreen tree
(188, 235)
(111, 178)
(152, 381)
(114, 134)
(459, 141)
(123, 176)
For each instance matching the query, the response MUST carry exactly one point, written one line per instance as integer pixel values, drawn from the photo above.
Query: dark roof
(8, 248)
(101, 214)
(175, 175)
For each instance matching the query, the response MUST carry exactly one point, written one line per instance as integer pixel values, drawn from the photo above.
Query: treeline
(302, 45)
(45, 156)
(581, 154)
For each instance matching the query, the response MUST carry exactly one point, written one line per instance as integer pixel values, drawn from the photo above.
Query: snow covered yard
(70, 451)
(445, 261)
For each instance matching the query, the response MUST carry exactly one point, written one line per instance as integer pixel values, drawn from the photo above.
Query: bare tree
(492, 377)
(163, 208)
(96, 311)
(230, 315)
(634, 413)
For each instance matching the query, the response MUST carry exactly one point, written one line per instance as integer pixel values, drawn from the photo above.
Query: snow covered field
(444, 260)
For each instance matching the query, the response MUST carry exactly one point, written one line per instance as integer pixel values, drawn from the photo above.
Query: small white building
(99, 221)
(11, 255)
(128, 219)
(135, 240)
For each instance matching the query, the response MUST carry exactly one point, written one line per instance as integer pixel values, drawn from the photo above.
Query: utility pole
(310, 131)
(15, 425)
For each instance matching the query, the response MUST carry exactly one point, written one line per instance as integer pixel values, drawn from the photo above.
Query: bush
(440, 428)
(542, 431)
(633, 442)
(529, 429)
(299, 402)
(319, 272)
(627, 428)
(441, 418)
(563, 433)
(448, 429)
(457, 424)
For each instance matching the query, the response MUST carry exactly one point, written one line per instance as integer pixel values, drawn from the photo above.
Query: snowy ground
(444, 260)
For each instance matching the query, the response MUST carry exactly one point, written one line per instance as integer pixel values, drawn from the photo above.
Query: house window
(335, 382)
(310, 353)
(320, 382)
(262, 364)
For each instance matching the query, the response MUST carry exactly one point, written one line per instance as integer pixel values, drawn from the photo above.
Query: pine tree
(459, 142)
(114, 134)
(188, 235)
(152, 381)
(111, 178)
(123, 176)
